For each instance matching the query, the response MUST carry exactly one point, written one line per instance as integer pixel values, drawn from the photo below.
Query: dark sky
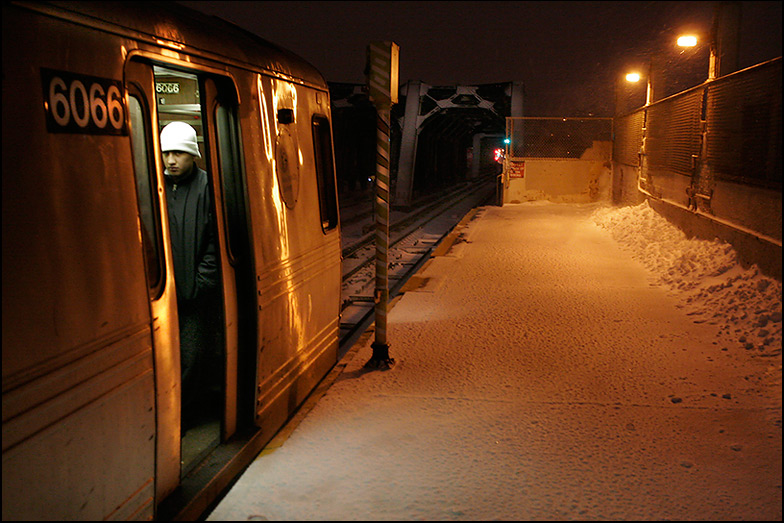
(568, 54)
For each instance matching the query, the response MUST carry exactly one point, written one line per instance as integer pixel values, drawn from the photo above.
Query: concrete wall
(587, 179)
(748, 218)
(751, 249)
(624, 185)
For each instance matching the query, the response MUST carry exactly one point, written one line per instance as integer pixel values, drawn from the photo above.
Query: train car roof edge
(190, 31)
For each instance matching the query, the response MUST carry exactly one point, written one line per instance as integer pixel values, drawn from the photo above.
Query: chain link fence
(547, 137)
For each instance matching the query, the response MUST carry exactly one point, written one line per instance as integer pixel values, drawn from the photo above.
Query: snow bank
(705, 275)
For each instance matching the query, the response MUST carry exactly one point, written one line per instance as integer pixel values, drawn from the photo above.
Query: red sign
(516, 169)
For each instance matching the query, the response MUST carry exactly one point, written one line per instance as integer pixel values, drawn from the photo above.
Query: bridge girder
(434, 127)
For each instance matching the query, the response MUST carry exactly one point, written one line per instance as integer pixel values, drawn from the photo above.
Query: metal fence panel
(628, 138)
(673, 132)
(744, 126)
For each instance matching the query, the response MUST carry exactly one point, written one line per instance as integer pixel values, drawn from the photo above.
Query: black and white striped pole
(382, 76)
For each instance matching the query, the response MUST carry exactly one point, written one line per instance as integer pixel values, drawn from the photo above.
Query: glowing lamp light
(499, 155)
(687, 41)
(507, 141)
(633, 77)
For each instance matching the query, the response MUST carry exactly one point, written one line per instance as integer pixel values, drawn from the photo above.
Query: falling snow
(561, 361)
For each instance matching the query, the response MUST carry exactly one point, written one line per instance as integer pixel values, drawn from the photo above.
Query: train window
(178, 97)
(150, 226)
(325, 173)
(231, 179)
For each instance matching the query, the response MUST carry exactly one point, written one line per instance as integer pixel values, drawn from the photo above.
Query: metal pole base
(380, 359)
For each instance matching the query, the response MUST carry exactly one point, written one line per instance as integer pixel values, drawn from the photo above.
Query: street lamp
(713, 61)
(686, 41)
(622, 94)
(722, 41)
(635, 77)
(693, 41)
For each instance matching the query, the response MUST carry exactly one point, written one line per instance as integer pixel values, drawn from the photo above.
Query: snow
(561, 361)
(705, 275)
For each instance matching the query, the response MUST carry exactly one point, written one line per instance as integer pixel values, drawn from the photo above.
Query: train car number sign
(82, 104)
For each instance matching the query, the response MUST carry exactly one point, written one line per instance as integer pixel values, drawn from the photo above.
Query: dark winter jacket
(192, 236)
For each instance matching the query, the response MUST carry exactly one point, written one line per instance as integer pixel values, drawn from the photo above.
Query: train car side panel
(92, 427)
(66, 200)
(98, 443)
(298, 277)
(77, 359)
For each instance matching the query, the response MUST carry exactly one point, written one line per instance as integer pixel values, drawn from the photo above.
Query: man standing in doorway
(195, 261)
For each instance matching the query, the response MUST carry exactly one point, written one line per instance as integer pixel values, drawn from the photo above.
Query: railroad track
(413, 237)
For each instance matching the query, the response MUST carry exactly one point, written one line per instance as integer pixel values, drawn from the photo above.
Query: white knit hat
(179, 136)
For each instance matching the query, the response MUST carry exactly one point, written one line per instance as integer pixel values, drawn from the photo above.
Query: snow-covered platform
(558, 361)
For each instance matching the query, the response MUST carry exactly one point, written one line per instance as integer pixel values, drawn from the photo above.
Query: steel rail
(351, 330)
(414, 216)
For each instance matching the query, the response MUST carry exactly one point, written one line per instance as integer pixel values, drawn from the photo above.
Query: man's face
(178, 163)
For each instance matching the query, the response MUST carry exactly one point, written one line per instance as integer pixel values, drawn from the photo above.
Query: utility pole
(382, 77)
(725, 39)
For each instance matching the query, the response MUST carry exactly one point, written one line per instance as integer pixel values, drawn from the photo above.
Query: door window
(232, 182)
(145, 188)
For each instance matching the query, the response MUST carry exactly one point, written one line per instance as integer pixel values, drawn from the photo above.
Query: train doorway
(193, 232)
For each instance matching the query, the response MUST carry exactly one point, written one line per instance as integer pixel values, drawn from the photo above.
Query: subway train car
(92, 377)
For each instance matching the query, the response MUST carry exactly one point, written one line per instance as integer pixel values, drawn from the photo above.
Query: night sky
(567, 54)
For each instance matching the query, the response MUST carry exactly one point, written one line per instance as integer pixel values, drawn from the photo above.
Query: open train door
(209, 103)
(222, 133)
(140, 96)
